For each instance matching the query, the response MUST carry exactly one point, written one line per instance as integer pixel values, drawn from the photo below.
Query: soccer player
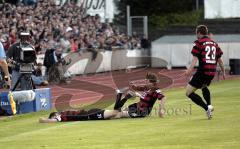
(151, 93)
(208, 54)
(80, 115)
(143, 108)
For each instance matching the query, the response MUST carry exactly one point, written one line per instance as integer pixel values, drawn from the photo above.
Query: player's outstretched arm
(134, 87)
(220, 62)
(46, 120)
(161, 111)
(142, 87)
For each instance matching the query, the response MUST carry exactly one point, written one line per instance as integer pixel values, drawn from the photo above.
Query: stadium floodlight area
(137, 24)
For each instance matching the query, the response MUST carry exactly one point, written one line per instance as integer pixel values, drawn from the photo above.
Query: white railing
(105, 61)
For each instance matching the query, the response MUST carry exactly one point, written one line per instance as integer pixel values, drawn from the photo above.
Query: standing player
(208, 54)
(143, 108)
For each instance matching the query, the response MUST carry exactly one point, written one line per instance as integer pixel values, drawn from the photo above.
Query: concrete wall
(105, 61)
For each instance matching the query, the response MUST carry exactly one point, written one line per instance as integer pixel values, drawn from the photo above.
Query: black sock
(123, 101)
(120, 103)
(198, 100)
(118, 99)
(206, 95)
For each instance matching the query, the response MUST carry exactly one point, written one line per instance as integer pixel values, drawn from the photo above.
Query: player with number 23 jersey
(208, 54)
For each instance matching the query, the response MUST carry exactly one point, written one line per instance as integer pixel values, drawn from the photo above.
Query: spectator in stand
(74, 45)
(145, 43)
(12, 35)
(5, 42)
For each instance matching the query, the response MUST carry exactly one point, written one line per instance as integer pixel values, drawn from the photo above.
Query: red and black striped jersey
(148, 99)
(73, 115)
(208, 52)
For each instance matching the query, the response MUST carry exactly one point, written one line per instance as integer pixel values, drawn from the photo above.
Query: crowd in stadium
(63, 28)
(68, 25)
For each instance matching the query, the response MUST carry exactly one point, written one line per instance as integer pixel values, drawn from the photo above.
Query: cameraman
(55, 64)
(14, 54)
(4, 65)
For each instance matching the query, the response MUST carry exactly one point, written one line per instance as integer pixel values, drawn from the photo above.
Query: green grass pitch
(185, 126)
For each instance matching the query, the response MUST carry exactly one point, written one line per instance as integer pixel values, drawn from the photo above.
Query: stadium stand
(68, 24)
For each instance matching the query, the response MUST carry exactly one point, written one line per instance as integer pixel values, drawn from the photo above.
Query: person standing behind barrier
(4, 65)
(145, 43)
(208, 53)
(55, 65)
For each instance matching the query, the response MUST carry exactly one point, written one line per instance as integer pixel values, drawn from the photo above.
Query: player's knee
(118, 115)
(108, 114)
(188, 93)
(114, 114)
(189, 90)
(205, 88)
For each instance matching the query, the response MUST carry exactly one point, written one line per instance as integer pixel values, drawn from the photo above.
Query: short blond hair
(152, 77)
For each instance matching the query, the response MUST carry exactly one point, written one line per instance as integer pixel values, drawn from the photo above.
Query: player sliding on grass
(208, 54)
(143, 108)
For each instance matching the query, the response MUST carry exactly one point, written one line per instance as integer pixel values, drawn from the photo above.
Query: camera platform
(29, 82)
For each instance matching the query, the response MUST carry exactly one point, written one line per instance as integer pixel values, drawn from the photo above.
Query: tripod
(26, 79)
(29, 85)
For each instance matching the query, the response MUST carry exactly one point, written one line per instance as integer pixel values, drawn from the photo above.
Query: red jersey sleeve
(196, 49)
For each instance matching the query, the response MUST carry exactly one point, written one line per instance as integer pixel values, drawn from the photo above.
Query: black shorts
(199, 80)
(134, 112)
(96, 114)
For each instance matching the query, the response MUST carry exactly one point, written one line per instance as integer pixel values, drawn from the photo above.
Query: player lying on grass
(142, 108)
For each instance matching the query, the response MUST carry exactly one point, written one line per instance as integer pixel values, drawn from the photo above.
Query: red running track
(92, 88)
